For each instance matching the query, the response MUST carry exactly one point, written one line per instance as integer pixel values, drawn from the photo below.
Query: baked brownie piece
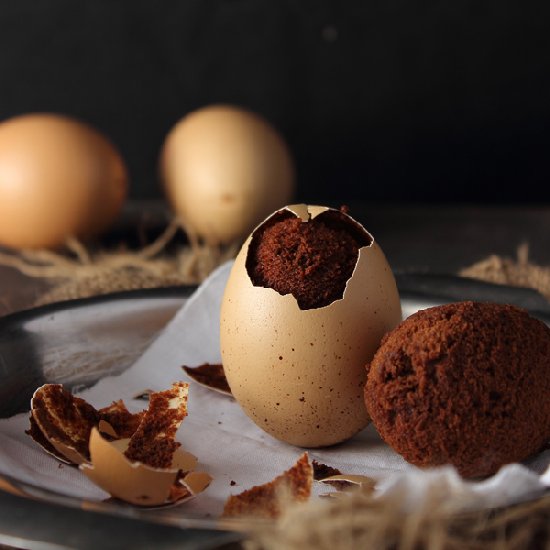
(311, 260)
(464, 384)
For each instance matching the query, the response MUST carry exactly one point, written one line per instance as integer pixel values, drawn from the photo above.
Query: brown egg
(224, 169)
(59, 178)
(299, 373)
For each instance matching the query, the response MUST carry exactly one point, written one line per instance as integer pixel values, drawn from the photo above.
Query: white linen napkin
(231, 447)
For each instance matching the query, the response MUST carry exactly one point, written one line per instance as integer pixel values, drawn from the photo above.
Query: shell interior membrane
(311, 259)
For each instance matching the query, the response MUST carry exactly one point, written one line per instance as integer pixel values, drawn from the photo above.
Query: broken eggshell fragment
(133, 457)
(299, 373)
(208, 375)
(36, 433)
(61, 423)
(347, 481)
(149, 468)
(138, 483)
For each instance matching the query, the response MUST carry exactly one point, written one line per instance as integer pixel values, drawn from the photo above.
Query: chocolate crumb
(154, 443)
(322, 471)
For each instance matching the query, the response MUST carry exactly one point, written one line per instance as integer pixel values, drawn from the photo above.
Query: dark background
(378, 99)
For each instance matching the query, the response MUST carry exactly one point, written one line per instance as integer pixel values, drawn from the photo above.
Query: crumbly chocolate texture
(311, 260)
(153, 443)
(123, 422)
(63, 417)
(464, 384)
(266, 501)
(211, 375)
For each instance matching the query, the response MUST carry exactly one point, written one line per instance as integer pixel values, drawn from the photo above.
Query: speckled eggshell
(299, 374)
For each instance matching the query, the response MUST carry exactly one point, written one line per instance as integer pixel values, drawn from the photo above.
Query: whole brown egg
(224, 169)
(59, 178)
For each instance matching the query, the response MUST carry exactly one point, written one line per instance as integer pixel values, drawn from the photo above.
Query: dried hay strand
(507, 271)
(81, 272)
(361, 521)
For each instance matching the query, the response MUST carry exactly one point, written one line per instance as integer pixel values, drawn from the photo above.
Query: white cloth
(230, 447)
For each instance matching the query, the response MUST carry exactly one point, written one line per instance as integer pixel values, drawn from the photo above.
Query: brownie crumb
(266, 501)
(123, 422)
(154, 442)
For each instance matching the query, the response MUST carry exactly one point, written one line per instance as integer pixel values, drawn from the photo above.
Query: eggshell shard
(196, 482)
(146, 468)
(64, 421)
(39, 437)
(299, 374)
(346, 481)
(61, 423)
(322, 471)
(211, 376)
(135, 482)
(106, 429)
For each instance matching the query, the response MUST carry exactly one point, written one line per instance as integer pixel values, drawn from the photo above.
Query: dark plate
(78, 342)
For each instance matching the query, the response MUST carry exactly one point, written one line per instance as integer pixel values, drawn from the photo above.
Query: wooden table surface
(415, 237)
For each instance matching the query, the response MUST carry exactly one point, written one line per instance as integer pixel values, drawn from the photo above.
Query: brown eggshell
(106, 428)
(299, 374)
(347, 480)
(36, 433)
(69, 454)
(196, 482)
(343, 484)
(131, 481)
(59, 178)
(60, 435)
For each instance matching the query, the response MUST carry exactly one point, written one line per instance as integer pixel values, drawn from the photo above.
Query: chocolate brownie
(464, 384)
(311, 260)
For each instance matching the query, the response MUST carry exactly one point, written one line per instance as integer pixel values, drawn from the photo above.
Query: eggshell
(299, 374)
(224, 169)
(59, 178)
(346, 480)
(196, 482)
(63, 434)
(209, 376)
(36, 433)
(71, 455)
(134, 482)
